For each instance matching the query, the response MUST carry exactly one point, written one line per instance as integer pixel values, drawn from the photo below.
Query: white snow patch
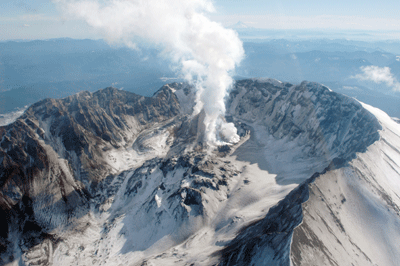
(150, 144)
(158, 200)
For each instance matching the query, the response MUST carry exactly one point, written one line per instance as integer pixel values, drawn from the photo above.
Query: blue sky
(366, 8)
(40, 19)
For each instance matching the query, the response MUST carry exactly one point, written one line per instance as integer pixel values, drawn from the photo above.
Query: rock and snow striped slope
(314, 180)
(353, 214)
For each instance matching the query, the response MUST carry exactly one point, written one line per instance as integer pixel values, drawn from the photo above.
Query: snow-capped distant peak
(240, 25)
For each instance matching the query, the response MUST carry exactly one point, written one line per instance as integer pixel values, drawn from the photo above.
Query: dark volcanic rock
(267, 242)
(51, 157)
(310, 113)
(57, 164)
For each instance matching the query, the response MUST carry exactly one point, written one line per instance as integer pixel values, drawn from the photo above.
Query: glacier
(114, 178)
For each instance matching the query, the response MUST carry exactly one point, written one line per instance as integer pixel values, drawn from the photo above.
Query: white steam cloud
(205, 51)
(8, 118)
(378, 75)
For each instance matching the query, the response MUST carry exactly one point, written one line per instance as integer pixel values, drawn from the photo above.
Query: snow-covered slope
(352, 216)
(113, 178)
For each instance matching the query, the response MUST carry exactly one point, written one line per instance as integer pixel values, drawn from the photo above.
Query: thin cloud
(378, 75)
(333, 22)
(29, 18)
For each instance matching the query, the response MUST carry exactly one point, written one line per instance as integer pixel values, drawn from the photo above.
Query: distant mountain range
(31, 71)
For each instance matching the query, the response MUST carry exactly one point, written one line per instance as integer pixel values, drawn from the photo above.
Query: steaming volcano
(204, 52)
(112, 178)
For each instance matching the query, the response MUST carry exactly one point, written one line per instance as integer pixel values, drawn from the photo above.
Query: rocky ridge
(127, 174)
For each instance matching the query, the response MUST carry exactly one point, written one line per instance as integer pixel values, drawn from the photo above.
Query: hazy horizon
(43, 19)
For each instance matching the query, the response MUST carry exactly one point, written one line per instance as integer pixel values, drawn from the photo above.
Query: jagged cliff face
(115, 178)
(56, 155)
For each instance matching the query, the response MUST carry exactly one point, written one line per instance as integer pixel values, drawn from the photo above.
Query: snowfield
(314, 180)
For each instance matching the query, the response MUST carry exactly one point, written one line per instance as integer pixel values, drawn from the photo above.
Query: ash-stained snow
(352, 216)
(150, 193)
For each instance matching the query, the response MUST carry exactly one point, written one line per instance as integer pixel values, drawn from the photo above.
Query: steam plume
(206, 52)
